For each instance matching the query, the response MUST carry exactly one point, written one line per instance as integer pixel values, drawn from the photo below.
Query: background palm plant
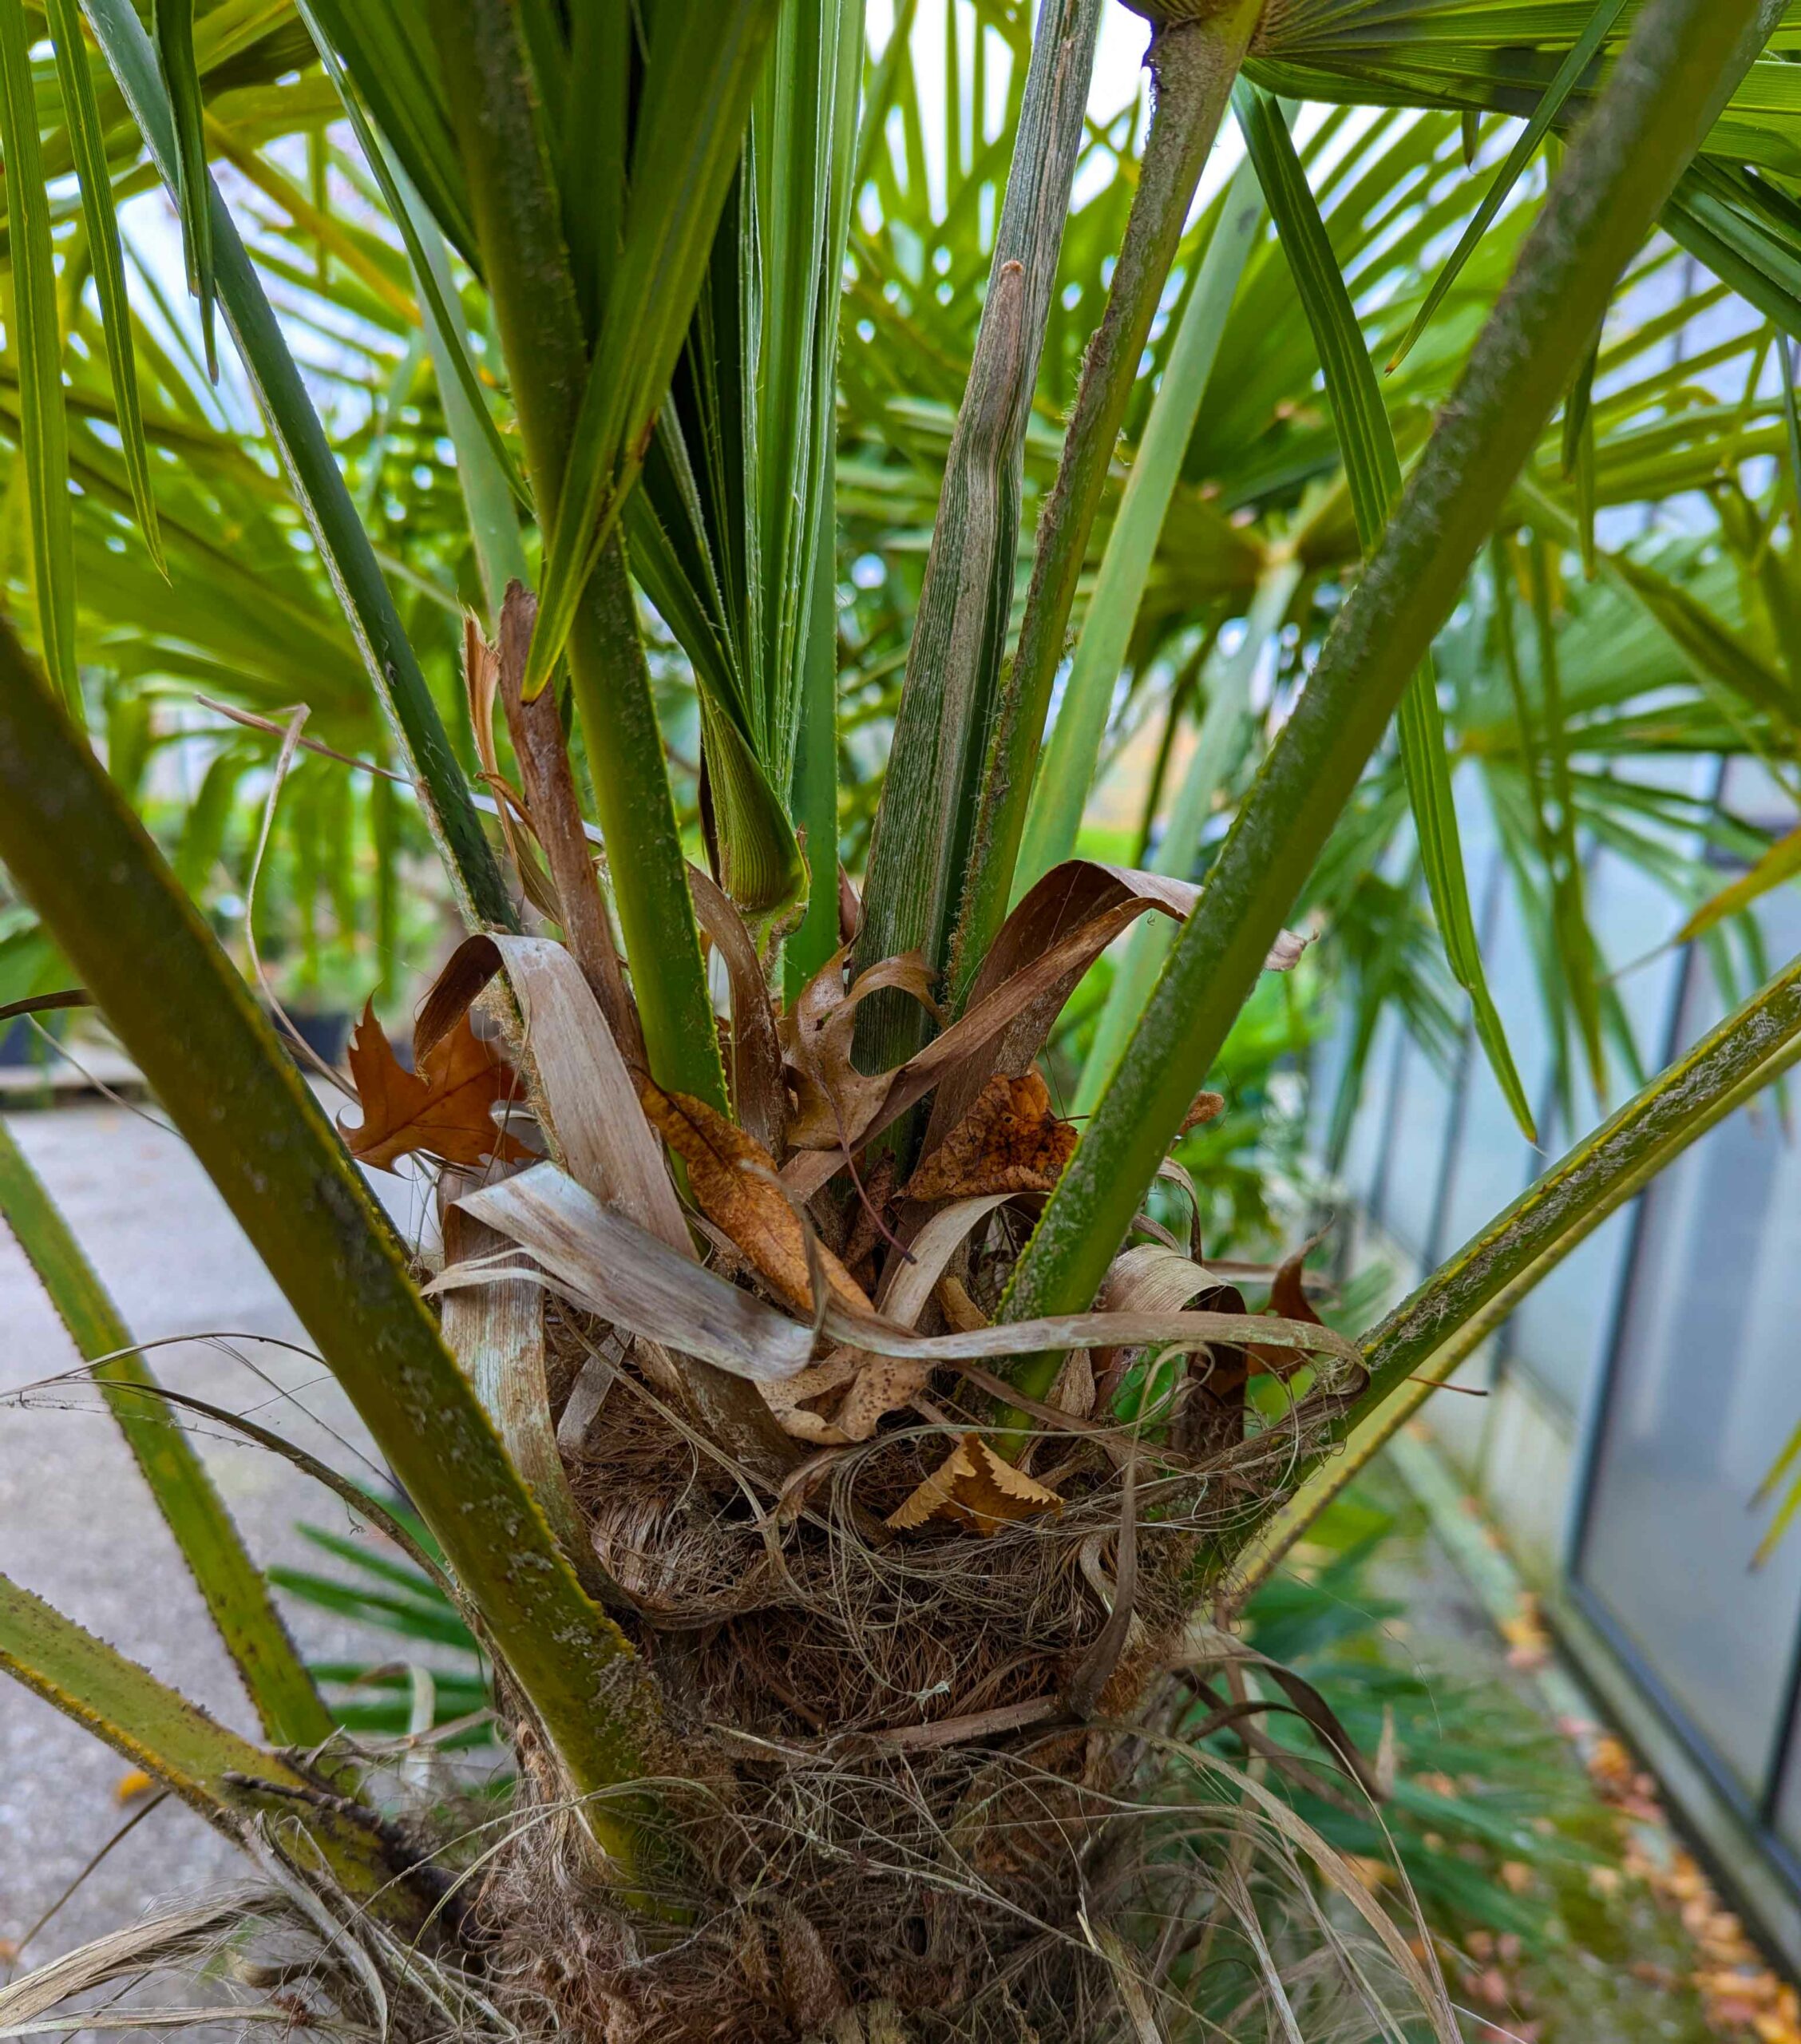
(594, 259)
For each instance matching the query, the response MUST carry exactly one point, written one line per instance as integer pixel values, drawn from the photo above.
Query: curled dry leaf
(445, 1109)
(833, 1100)
(885, 1383)
(1202, 1109)
(960, 1310)
(1043, 950)
(611, 1266)
(751, 1049)
(976, 1487)
(1288, 1301)
(733, 1180)
(602, 1260)
(791, 1399)
(1009, 1142)
(1288, 1288)
(1152, 1278)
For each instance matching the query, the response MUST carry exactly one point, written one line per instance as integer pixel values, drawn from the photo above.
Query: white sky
(1119, 77)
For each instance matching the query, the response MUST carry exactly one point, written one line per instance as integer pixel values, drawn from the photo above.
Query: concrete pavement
(77, 1526)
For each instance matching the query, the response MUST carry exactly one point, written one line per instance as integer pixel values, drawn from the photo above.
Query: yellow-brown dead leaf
(1009, 1141)
(443, 1109)
(733, 1180)
(976, 1487)
(960, 1310)
(1203, 1108)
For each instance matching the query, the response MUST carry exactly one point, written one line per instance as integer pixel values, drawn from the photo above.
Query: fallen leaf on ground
(1009, 1141)
(733, 1180)
(789, 1398)
(444, 1108)
(977, 1487)
(1529, 1644)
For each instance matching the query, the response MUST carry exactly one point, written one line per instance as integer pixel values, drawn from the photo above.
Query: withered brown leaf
(1009, 1141)
(1202, 1109)
(832, 1099)
(733, 1180)
(976, 1487)
(1288, 1301)
(443, 1109)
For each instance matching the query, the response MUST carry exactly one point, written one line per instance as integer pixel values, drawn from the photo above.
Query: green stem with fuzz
(1473, 1293)
(193, 1027)
(529, 274)
(248, 1794)
(236, 1596)
(1193, 64)
(1683, 58)
(918, 853)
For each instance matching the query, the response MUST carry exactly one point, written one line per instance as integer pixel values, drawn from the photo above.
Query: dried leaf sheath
(496, 1332)
(595, 1125)
(537, 729)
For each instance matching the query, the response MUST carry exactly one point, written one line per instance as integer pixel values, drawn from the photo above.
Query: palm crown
(1326, 479)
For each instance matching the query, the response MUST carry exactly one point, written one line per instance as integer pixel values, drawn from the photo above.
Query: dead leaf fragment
(833, 1101)
(733, 1180)
(1203, 1108)
(1009, 1142)
(978, 1489)
(1287, 1300)
(960, 1310)
(444, 1108)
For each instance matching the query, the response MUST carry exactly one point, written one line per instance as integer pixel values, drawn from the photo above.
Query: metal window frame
(1757, 1812)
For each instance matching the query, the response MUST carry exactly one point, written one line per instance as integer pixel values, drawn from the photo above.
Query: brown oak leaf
(733, 1180)
(444, 1108)
(976, 1487)
(1009, 1141)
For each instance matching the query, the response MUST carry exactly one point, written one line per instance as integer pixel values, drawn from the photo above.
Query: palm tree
(888, 1716)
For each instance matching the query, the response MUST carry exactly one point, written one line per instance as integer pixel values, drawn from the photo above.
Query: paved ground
(77, 1526)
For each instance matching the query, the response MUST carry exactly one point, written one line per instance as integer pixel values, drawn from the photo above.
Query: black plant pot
(20, 1043)
(324, 1031)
